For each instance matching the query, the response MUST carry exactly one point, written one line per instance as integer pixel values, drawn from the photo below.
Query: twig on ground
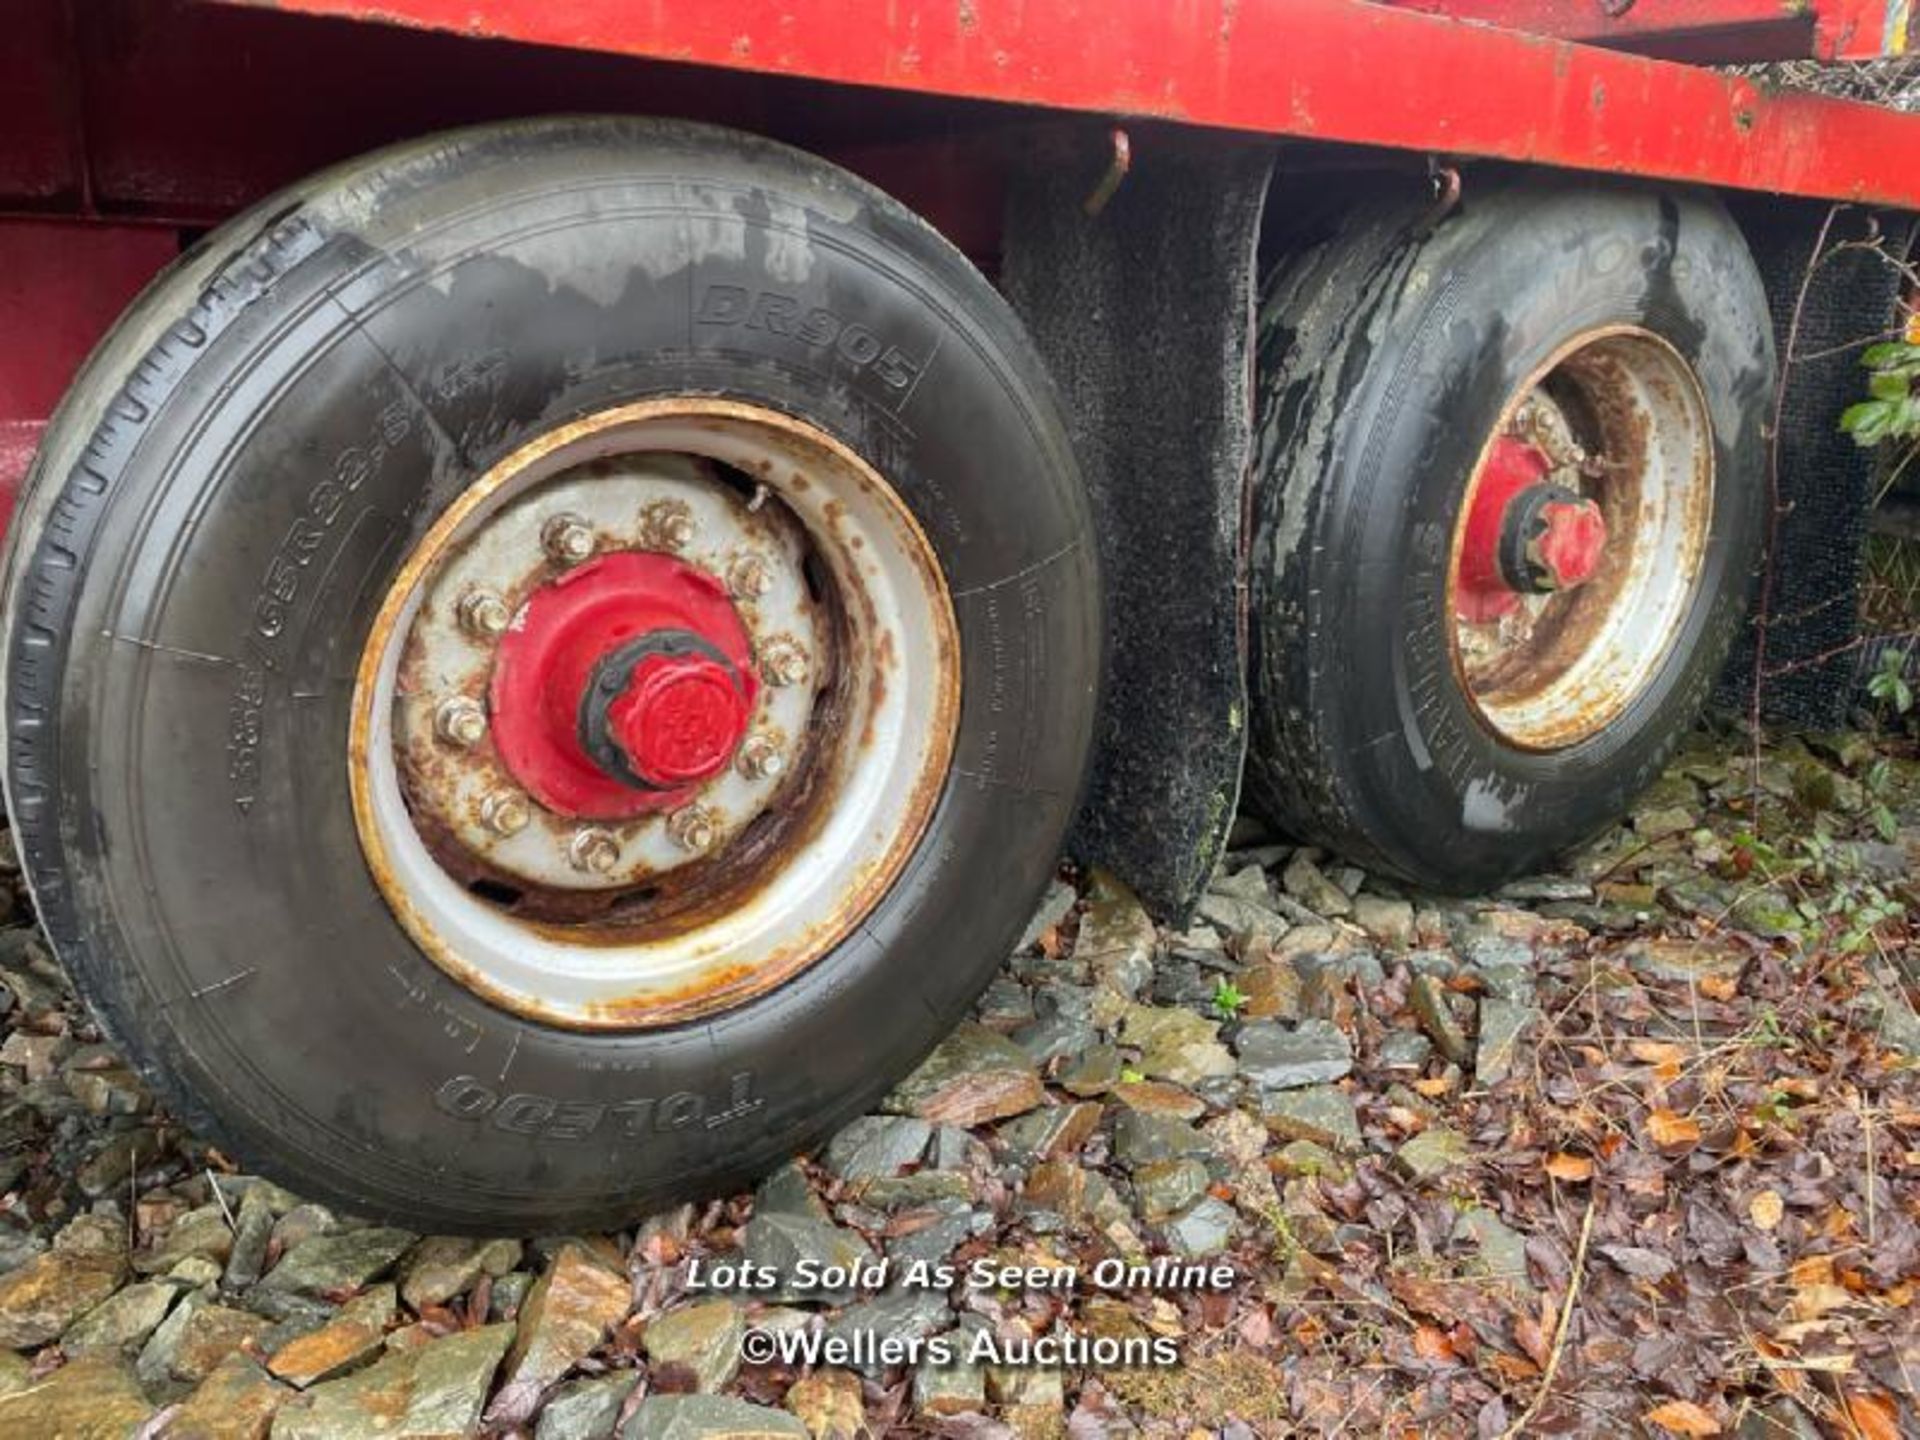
(1518, 1427)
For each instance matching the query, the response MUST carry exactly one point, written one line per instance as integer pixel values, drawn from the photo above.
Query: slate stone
(874, 1146)
(1432, 1153)
(1205, 1228)
(437, 1389)
(586, 1409)
(1318, 1113)
(703, 1337)
(1503, 1024)
(346, 1260)
(1431, 1004)
(974, 1076)
(709, 1417)
(1277, 1057)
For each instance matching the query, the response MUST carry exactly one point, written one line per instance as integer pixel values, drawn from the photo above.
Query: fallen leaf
(1670, 1130)
(1656, 1052)
(1570, 1168)
(1533, 1339)
(1766, 1208)
(1810, 1302)
(1683, 1417)
(1641, 1263)
(1431, 1343)
(1873, 1416)
(1812, 1270)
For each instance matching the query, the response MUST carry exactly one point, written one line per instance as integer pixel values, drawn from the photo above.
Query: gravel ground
(1633, 1147)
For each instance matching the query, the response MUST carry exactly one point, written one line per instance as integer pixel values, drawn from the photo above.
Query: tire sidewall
(461, 303)
(1483, 307)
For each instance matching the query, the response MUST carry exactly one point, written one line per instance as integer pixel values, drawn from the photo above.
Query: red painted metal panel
(61, 285)
(39, 133)
(1341, 70)
(18, 440)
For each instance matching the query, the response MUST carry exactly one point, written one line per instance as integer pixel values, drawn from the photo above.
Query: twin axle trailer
(574, 567)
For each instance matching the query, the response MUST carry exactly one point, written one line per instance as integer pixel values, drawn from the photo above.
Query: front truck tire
(1511, 483)
(258, 460)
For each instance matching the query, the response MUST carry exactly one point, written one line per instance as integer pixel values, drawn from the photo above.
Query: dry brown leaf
(1656, 1052)
(1533, 1339)
(1683, 1417)
(1812, 1270)
(1873, 1416)
(1511, 1367)
(1719, 987)
(1570, 1168)
(1810, 1302)
(1431, 1343)
(1669, 1129)
(1766, 1209)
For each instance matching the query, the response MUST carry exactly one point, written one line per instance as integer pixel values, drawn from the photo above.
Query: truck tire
(546, 667)
(1511, 479)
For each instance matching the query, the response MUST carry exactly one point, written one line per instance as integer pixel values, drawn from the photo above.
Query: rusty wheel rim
(753, 874)
(1620, 424)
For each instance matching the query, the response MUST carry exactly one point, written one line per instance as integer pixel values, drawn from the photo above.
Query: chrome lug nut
(484, 615)
(594, 850)
(783, 663)
(505, 813)
(692, 829)
(460, 721)
(749, 578)
(666, 525)
(567, 538)
(760, 758)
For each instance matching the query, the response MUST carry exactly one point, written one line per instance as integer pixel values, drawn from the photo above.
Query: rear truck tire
(1510, 486)
(547, 667)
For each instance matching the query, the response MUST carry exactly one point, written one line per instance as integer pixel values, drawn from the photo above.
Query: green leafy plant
(1227, 998)
(1892, 409)
(1888, 684)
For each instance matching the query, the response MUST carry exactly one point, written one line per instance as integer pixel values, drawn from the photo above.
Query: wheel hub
(621, 685)
(1525, 535)
(592, 660)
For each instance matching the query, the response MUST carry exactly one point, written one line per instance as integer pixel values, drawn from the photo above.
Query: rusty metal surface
(679, 908)
(1343, 70)
(1719, 31)
(1629, 421)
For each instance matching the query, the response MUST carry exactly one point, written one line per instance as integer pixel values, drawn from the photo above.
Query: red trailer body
(133, 120)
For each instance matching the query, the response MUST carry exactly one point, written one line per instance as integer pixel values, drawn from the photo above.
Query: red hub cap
(1524, 534)
(621, 686)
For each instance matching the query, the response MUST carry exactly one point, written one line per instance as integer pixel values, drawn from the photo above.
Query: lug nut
(484, 614)
(692, 829)
(666, 525)
(460, 721)
(567, 538)
(594, 850)
(760, 758)
(505, 812)
(749, 578)
(783, 663)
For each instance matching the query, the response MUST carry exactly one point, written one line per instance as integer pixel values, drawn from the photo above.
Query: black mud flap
(1144, 312)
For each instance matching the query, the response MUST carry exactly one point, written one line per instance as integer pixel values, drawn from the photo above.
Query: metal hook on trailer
(1446, 196)
(1117, 169)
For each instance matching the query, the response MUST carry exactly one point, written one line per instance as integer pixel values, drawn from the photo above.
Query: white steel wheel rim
(885, 766)
(1653, 443)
